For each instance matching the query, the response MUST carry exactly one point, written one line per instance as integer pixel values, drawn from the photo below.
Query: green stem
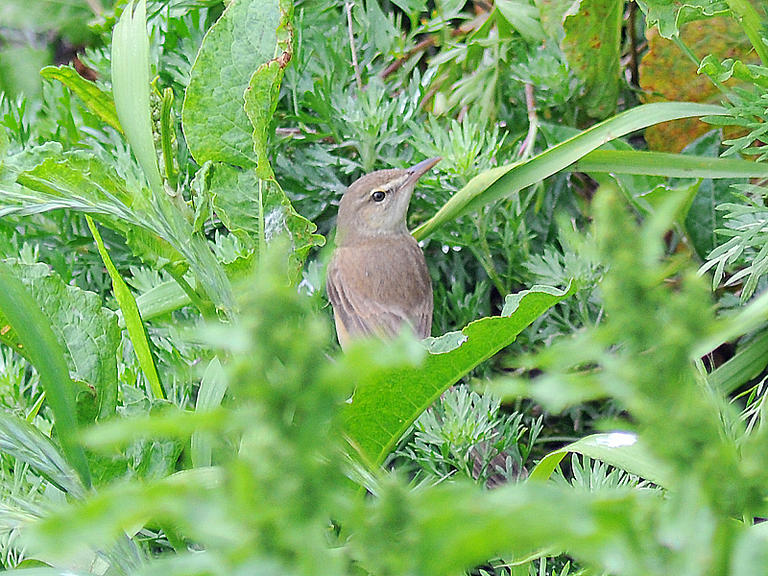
(749, 19)
(166, 137)
(262, 233)
(206, 307)
(483, 254)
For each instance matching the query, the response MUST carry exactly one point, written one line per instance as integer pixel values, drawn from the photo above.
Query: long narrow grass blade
(133, 322)
(41, 347)
(669, 165)
(506, 180)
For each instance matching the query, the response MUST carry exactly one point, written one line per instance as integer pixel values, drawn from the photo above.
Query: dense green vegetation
(172, 396)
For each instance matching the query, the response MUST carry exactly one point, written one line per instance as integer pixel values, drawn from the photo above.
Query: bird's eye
(378, 195)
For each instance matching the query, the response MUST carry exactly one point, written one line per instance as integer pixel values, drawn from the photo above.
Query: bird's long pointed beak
(421, 168)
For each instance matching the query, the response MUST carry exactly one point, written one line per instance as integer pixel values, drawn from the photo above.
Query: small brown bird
(377, 280)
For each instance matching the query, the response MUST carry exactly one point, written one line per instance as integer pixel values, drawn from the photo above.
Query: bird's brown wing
(375, 294)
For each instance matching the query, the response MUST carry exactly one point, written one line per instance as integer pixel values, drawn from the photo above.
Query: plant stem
(355, 65)
(166, 140)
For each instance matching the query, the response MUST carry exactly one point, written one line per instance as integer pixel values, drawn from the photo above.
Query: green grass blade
(213, 386)
(506, 180)
(620, 449)
(130, 85)
(745, 365)
(133, 322)
(669, 165)
(35, 335)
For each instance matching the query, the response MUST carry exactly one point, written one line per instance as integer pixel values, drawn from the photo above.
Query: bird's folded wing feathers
(361, 315)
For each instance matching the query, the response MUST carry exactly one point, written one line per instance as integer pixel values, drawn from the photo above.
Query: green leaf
(703, 217)
(213, 386)
(523, 17)
(622, 450)
(98, 101)
(504, 181)
(749, 361)
(646, 163)
(258, 211)
(82, 182)
(78, 181)
(592, 45)
(35, 335)
(130, 86)
(136, 329)
(20, 439)
(87, 332)
(387, 401)
(216, 126)
(260, 103)
(670, 16)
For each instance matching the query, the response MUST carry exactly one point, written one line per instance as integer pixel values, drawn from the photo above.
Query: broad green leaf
(130, 87)
(20, 439)
(507, 180)
(136, 329)
(387, 401)
(623, 450)
(552, 13)
(87, 333)
(216, 126)
(258, 211)
(592, 45)
(98, 101)
(35, 335)
(670, 16)
(77, 181)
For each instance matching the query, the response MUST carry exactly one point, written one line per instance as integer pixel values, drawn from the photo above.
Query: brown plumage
(377, 280)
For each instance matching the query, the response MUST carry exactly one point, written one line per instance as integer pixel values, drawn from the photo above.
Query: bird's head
(376, 204)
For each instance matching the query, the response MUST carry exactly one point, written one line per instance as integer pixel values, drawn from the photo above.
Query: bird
(377, 279)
